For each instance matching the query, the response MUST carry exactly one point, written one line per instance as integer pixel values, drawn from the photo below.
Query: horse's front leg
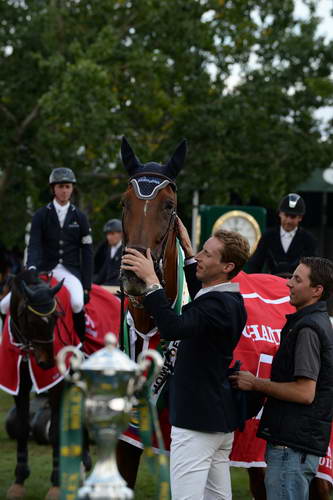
(22, 403)
(55, 399)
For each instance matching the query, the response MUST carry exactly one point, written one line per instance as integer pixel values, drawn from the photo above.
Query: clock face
(328, 175)
(240, 222)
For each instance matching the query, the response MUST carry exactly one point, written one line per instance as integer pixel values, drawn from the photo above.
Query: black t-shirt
(307, 354)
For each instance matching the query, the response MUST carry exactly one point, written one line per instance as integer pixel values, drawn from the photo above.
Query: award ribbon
(71, 422)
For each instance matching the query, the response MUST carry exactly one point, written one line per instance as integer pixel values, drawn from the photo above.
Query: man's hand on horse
(184, 239)
(141, 265)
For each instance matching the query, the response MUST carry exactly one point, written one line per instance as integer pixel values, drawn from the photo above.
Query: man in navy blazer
(109, 271)
(202, 412)
(280, 249)
(61, 242)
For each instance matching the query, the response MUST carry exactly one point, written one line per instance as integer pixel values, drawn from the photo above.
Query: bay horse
(149, 215)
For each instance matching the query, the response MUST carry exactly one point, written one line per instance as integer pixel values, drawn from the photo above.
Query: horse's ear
(176, 162)
(26, 290)
(130, 161)
(56, 288)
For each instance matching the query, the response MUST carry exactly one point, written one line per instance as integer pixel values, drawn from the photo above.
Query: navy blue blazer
(209, 329)
(109, 274)
(270, 254)
(70, 245)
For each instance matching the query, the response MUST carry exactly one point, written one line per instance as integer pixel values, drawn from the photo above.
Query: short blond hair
(235, 249)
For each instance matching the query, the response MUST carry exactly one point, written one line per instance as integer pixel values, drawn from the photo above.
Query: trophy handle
(75, 362)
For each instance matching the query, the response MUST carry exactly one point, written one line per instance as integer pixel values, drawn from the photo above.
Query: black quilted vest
(302, 427)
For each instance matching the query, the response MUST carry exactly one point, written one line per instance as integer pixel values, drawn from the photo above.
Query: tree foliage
(76, 75)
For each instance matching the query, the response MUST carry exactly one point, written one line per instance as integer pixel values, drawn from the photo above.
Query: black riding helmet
(293, 204)
(62, 175)
(113, 226)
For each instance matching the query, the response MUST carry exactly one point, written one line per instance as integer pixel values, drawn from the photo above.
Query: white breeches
(72, 283)
(199, 465)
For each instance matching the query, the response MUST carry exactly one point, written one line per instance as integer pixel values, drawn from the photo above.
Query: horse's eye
(169, 205)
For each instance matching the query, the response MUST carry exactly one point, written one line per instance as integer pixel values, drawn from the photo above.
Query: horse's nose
(139, 248)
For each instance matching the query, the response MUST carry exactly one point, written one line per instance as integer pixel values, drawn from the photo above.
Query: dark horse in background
(33, 315)
(32, 321)
(149, 215)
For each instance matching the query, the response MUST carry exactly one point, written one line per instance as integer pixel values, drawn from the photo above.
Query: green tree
(77, 75)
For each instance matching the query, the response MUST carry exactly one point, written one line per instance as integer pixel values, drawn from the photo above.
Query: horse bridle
(27, 344)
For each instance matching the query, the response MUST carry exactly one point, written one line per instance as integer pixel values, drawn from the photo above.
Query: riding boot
(80, 324)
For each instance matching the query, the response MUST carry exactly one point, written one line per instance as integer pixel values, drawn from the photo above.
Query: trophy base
(105, 491)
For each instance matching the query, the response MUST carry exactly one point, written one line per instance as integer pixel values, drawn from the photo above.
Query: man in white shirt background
(280, 249)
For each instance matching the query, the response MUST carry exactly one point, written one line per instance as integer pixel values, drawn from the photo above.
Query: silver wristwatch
(152, 288)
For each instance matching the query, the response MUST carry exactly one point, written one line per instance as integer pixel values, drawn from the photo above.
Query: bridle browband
(54, 307)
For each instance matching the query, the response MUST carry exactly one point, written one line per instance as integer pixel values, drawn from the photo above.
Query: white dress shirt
(286, 238)
(114, 249)
(61, 211)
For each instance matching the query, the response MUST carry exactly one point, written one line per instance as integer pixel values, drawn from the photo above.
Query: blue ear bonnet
(150, 176)
(146, 187)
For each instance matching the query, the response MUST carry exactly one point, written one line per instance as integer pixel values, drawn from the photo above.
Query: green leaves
(76, 76)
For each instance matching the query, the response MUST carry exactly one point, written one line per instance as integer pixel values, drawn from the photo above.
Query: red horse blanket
(102, 316)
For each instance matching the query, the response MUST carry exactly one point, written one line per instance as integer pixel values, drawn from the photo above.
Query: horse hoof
(16, 492)
(53, 493)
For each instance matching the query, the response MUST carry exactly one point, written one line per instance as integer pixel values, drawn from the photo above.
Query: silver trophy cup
(109, 379)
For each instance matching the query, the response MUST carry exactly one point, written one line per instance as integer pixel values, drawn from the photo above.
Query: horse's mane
(29, 276)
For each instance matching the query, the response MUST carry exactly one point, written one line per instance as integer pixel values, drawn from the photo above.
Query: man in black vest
(61, 242)
(110, 270)
(202, 411)
(297, 416)
(279, 249)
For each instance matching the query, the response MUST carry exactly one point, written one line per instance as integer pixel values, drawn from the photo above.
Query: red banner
(266, 300)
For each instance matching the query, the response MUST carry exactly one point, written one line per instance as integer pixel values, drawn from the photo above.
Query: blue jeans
(289, 473)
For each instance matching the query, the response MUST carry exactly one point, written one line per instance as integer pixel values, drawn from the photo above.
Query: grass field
(40, 463)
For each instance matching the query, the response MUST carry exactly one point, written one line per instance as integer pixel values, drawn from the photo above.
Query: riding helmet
(62, 175)
(113, 226)
(292, 203)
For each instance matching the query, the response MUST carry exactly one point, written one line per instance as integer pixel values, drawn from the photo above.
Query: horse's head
(33, 312)
(149, 208)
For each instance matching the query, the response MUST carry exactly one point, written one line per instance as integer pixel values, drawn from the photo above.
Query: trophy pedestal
(112, 488)
(105, 481)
